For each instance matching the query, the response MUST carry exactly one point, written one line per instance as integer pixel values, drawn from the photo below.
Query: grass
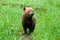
(47, 20)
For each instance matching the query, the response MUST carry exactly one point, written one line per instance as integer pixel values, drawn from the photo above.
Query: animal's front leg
(25, 30)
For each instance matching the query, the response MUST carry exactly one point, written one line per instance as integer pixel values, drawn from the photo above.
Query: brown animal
(28, 21)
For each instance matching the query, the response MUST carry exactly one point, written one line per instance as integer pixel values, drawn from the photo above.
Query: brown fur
(28, 21)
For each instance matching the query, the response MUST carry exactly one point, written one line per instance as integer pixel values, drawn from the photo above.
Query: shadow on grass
(26, 37)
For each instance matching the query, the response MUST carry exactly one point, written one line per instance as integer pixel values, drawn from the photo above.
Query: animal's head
(28, 11)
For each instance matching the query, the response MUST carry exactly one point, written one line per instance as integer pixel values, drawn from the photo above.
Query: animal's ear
(24, 8)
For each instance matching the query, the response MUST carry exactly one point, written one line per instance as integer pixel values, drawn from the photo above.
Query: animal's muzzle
(31, 14)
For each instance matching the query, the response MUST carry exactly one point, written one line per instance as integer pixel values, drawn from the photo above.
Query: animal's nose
(32, 13)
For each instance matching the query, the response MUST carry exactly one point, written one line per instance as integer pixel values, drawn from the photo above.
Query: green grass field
(47, 19)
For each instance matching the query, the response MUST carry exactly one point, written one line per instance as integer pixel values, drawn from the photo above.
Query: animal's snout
(32, 13)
